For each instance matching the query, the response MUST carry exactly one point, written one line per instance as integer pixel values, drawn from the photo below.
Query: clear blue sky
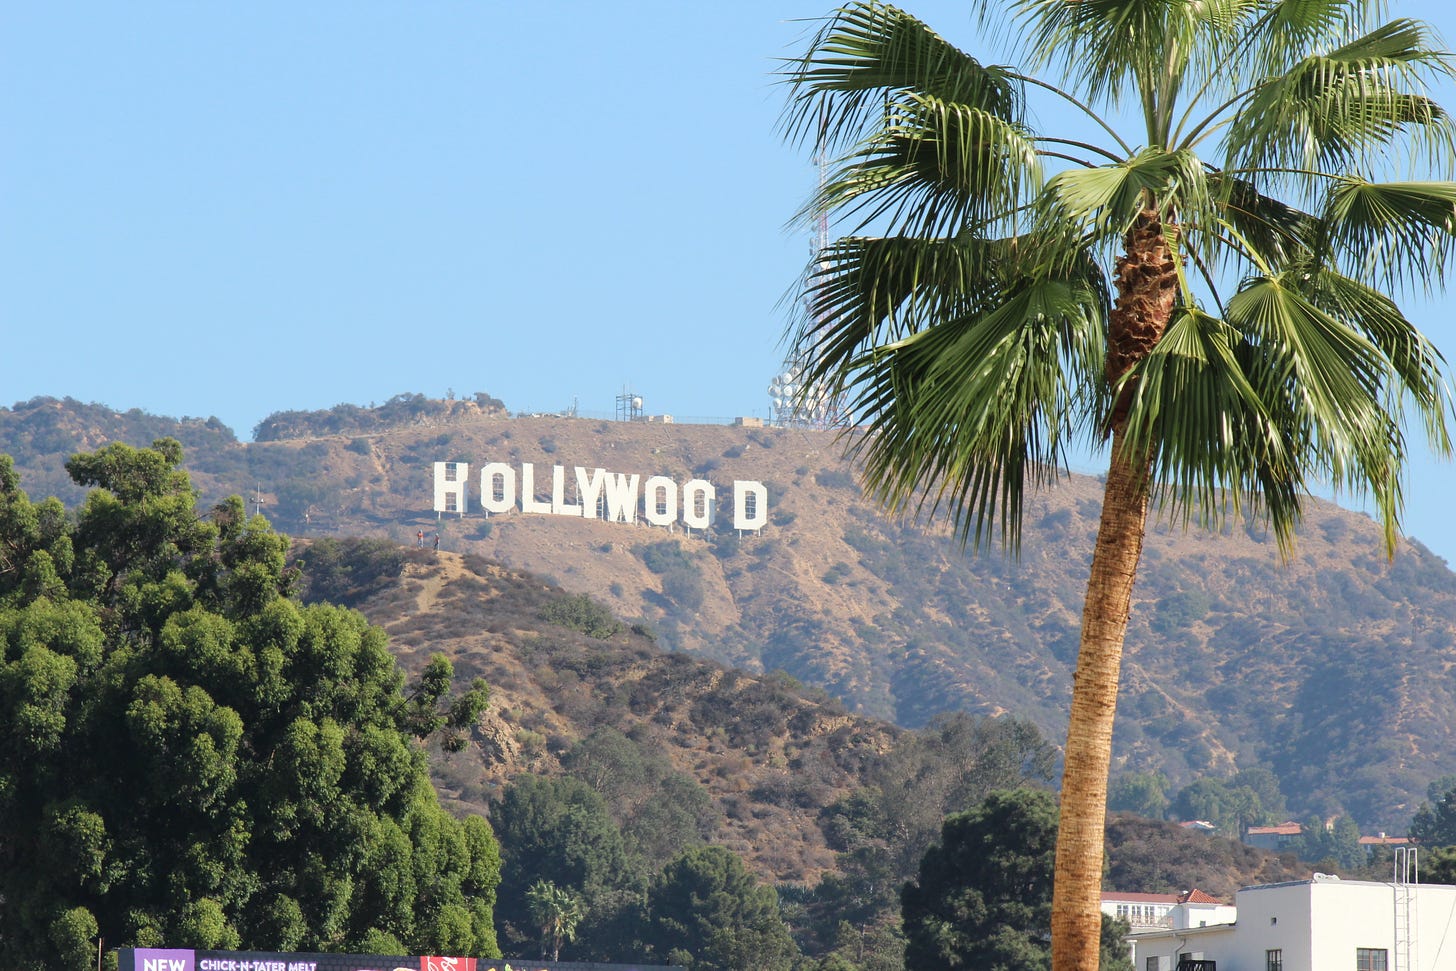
(231, 209)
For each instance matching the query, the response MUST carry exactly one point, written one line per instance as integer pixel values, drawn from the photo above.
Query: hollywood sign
(598, 494)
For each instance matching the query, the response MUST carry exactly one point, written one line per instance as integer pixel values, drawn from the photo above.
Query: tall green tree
(1434, 823)
(706, 912)
(1144, 793)
(1333, 845)
(661, 812)
(983, 896)
(1438, 865)
(560, 830)
(1204, 293)
(188, 757)
(1250, 798)
(949, 765)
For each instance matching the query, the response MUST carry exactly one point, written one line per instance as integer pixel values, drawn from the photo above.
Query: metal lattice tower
(793, 403)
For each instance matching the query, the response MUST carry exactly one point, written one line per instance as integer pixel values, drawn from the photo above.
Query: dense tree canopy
(983, 898)
(190, 758)
(706, 912)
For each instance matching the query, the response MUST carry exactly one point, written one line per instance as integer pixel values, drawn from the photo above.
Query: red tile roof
(1196, 896)
(1283, 829)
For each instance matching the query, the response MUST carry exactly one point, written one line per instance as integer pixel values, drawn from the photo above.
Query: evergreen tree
(1434, 823)
(559, 830)
(706, 912)
(983, 898)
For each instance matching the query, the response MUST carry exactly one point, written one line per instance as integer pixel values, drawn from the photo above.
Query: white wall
(1353, 914)
(1275, 916)
(1317, 925)
(1201, 942)
(1203, 915)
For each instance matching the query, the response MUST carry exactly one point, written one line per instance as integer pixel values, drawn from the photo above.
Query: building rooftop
(1196, 896)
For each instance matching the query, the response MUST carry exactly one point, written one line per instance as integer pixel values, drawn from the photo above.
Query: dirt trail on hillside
(430, 579)
(429, 592)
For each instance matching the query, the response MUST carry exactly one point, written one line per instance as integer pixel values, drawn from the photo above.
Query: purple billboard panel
(158, 959)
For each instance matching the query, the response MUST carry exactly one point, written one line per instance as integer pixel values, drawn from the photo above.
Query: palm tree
(1204, 296)
(556, 912)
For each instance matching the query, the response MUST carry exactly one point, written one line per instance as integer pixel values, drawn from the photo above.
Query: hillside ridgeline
(1336, 670)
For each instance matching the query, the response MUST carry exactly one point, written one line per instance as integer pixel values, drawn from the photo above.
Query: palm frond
(1334, 111)
(1401, 233)
(1107, 199)
(1287, 29)
(1328, 386)
(1279, 233)
(1419, 368)
(1120, 50)
(1217, 451)
(960, 418)
(871, 290)
(934, 167)
(867, 54)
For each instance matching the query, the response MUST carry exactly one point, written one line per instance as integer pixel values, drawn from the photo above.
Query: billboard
(179, 959)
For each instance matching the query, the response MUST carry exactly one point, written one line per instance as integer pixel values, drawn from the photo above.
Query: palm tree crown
(1208, 292)
(1260, 354)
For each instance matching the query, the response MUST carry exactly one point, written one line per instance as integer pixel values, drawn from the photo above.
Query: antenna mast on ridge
(793, 403)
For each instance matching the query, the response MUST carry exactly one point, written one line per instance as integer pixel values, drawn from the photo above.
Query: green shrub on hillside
(581, 612)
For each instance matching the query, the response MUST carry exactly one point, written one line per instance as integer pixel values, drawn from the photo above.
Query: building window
(1370, 959)
(1153, 963)
(1274, 960)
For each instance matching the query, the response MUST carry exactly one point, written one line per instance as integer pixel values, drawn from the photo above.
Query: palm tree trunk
(1146, 282)
(1076, 898)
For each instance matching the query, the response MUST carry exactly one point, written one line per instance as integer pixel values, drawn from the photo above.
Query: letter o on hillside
(660, 498)
(497, 487)
(697, 503)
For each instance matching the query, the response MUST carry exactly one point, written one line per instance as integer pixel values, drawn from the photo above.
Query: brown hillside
(1335, 669)
(770, 756)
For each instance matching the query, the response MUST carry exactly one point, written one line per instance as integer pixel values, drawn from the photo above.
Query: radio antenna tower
(793, 403)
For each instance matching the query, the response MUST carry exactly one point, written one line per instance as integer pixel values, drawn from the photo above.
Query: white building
(1153, 911)
(1323, 924)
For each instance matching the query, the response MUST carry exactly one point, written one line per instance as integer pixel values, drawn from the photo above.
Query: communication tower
(793, 401)
(629, 406)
